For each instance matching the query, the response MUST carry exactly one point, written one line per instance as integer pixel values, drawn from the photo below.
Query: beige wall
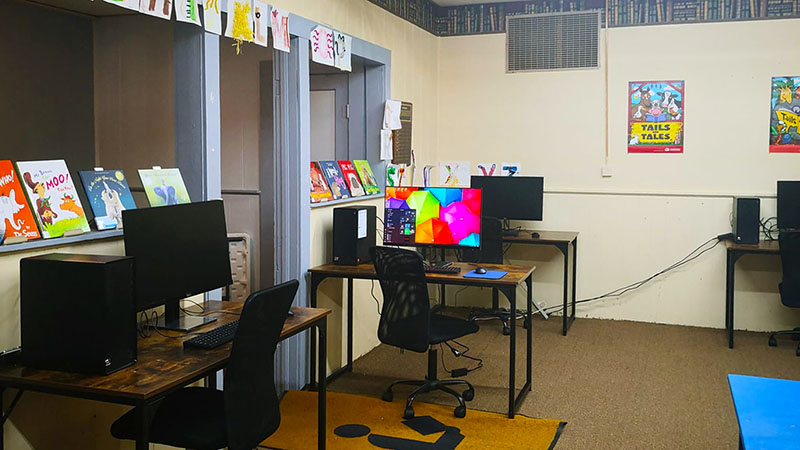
(553, 123)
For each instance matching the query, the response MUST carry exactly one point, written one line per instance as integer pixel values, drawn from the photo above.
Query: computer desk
(163, 367)
(562, 240)
(736, 251)
(508, 285)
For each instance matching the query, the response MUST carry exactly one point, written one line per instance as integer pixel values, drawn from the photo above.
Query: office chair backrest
(251, 402)
(405, 316)
(491, 251)
(790, 260)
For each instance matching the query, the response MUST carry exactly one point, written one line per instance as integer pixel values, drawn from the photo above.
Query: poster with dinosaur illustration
(655, 116)
(454, 173)
(108, 194)
(52, 194)
(784, 133)
(16, 218)
(164, 187)
(156, 8)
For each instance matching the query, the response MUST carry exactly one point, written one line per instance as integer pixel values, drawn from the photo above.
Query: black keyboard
(213, 338)
(447, 267)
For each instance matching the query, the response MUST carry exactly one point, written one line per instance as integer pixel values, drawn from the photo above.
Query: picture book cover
(784, 125)
(367, 178)
(109, 194)
(164, 187)
(16, 218)
(52, 194)
(335, 179)
(320, 192)
(350, 175)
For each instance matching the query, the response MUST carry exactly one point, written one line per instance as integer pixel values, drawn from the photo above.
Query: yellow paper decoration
(242, 28)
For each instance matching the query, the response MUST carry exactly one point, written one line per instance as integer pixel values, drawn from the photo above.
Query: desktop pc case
(353, 234)
(746, 220)
(78, 313)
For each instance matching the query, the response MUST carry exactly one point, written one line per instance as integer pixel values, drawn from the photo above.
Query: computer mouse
(534, 235)
(480, 270)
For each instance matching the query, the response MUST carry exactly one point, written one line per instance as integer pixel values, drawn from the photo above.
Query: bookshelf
(421, 13)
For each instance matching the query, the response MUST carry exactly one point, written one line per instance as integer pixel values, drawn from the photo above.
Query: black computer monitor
(179, 251)
(432, 216)
(511, 198)
(788, 205)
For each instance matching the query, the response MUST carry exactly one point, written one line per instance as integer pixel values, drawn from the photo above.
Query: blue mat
(490, 274)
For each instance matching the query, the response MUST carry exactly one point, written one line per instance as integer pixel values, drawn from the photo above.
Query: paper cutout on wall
(322, 45)
(487, 169)
(157, 8)
(386, 145)
(280, 29)
(784, 131)
(454, 173)
(212, 17)
(261, 16)
(391, 115)
(510, 169)
(188, 11)
(129, 4)
(240, 23)
(341, 50)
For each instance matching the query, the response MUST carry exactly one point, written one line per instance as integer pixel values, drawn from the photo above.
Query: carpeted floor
(619, 385)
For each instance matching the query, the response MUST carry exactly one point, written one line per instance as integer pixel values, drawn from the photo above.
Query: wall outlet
(605, 171)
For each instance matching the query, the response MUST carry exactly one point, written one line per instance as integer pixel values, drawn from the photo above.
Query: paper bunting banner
(487, 169)
(157, 8)
(261, 15)
(280, 29)
(240, 23)
(212, 17)
(129, 4)
(188, 11)
(322, 45)
(341, 49)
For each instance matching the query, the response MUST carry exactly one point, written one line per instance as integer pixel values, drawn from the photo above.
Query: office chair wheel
(387, 396)
(506, 331)
(468, 395)
(408, 413)
(773, 342)
(460, 411)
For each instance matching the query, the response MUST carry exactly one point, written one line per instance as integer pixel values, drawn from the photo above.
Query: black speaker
(353, 234)
(746, 219)
(78, 313)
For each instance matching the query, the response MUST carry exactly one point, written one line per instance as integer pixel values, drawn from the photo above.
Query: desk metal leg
(512, 355)
(322, 391)
(565, 312)
(574, 278)
(730, 268)
(143, 426)
(349, 324)
(529, 346)
(442, 296)
(2, 418)
(495, 300)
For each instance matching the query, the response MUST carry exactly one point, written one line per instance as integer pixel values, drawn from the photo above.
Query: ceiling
(95, 8)
(465, 2)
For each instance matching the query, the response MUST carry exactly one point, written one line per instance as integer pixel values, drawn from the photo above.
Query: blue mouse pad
(490, 274)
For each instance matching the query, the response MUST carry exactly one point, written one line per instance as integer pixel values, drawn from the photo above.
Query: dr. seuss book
(320, 192)
(164, 187)
(53, 196)
(16, 219)
(335, 179)
(351, 177)
(367, 178)
(109, 195)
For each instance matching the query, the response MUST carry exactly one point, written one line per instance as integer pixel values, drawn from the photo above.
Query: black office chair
(790, 286)
(490, 252)
(246, 412)
(407, 322)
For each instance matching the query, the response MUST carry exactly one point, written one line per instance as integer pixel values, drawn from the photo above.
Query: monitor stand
(508, 231)
(173, 320)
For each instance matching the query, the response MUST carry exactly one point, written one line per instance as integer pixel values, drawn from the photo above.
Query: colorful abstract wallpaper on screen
(437, 216)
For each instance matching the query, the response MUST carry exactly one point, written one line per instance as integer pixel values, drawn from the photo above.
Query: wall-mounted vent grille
(558, 41)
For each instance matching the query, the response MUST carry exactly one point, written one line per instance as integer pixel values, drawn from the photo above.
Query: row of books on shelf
(492, 17)
(420, 12)
(333, 180)
(38, 199)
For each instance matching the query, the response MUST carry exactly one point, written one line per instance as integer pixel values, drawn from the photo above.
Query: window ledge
(58, 242)
(343, 201)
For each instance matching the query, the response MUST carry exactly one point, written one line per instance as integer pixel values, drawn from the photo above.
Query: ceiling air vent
(557, 41)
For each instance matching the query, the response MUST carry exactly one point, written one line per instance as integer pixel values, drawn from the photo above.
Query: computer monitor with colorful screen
(417, 216)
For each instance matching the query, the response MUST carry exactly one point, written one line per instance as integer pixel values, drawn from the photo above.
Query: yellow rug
(370, 423)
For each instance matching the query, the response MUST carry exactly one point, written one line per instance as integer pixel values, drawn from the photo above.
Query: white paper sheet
(212, 17)
(188, 11)
(261, 17)
(341, 49)
(156, 8)
(488, 169)
(454, 173)
(510, 169)
(128, 4)
(239, 7)
(280, 29)
(387, 152)
(322, 45)
(391, 115)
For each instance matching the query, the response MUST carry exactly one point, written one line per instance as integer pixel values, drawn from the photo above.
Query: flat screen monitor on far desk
(179, 251)
(511, 198)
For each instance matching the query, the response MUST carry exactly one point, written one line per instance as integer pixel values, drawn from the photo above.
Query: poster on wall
(341, 50)
(280, 29)
(510, 169)
(784, 133)
(212, 17)
(261, 16)
(655, 116)
(454, 173)
(487, 169)
(129, 4)
(157, 8)
(188, 11)
(322, 45)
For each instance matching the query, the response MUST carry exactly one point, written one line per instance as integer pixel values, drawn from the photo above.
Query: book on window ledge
(320, 192)
(108, 194)
(367, 178)
(351, 177)
(16, 219)
(164, 187)
(335, 179)
(52, 194)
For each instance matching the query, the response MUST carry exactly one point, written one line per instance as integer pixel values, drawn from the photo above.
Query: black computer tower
(78, 312)
(353, 234)
(746, 220)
